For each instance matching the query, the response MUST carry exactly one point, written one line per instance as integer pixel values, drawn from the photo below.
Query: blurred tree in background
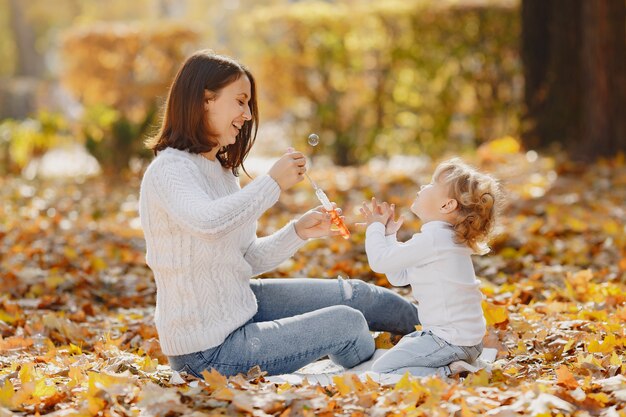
(574, 54)
(104, 127)
(387, 77)
(372, 78)
(119, 72)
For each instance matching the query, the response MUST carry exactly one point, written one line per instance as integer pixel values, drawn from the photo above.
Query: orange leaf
(214, 379)
(565, 378)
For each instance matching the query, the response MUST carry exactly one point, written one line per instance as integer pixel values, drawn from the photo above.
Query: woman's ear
(449, 206)
(208, 97)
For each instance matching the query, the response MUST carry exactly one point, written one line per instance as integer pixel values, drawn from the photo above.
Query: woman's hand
(288, 170)
(378, 213)
(316, 223)
(392, 225)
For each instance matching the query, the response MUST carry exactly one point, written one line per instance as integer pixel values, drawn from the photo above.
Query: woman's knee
(353, 287)
(351, 324)
(348, 318)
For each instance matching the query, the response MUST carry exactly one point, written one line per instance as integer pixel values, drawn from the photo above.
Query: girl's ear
(449, 206)
(208, 97)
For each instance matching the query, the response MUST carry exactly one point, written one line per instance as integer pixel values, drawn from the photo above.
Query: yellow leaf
(501, 146)
(608, 345)
(600, 397)
(148, 365)
(404, 383)
(43, 390)
(575, 224)
(521, 348)
(75, 350)
(283, 388)
(479, 379)
(102, 381)
(27, 373)
(7, 392)
(99, 264)
(70, 253)
(593, 346)
(615, 360)
(494, 314)
(569, 345)
(95, 404)
(7, 318)
(53, 281)
(590, 362)
(341, 385)
(512, 371)
(611, 227)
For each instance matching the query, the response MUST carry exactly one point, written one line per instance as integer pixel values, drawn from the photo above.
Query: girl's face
(228, 110)
(430, 202)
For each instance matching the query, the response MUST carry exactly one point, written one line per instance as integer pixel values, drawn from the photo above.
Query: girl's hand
(316, 223)
(288, 170)
(393, 226)
(378, 213)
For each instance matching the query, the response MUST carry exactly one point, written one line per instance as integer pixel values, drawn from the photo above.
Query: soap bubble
(254, 343)
(313, 139)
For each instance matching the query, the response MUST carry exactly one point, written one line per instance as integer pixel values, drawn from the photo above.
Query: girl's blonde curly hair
(479, 198)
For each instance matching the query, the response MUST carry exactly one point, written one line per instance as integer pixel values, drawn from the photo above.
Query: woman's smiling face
(228, 110)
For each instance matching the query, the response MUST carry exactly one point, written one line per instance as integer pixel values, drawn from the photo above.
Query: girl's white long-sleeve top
(201, 244)
(441, 275)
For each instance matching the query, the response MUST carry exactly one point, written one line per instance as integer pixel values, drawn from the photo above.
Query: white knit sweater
(200, 229)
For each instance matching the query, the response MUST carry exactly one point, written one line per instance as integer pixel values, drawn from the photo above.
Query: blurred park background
(372, 78)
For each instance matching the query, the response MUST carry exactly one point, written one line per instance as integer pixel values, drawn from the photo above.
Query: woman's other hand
(288, 170)
(316, 223)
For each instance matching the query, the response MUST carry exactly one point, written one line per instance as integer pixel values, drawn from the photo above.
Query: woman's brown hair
(185, 125)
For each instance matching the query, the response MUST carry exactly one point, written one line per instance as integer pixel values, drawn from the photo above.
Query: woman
(200, 229)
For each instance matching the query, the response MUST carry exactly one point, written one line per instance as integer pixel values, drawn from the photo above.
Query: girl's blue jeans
(422, 353)
(300, 320)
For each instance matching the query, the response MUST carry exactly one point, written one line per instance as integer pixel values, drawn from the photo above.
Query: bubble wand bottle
(313, 140)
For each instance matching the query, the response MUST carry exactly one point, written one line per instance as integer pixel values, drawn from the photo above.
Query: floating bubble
(313, 139)
(255, 343)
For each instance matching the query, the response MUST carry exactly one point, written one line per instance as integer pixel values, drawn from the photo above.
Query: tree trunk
(603, 79)
(573, 55)
(550, 47)
(29, 61)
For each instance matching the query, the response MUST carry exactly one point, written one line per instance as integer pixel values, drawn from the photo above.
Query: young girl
(200, 230)
(458, 210)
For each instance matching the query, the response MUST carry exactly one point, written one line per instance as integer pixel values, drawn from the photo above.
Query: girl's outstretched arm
(387, 256)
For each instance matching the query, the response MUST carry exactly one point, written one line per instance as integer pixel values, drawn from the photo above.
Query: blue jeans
(301, 320)
(423, 353)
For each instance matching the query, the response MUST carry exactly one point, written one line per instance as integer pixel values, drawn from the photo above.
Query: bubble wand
(313, 140)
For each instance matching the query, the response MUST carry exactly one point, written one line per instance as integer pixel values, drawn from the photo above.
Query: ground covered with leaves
(76, 299)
